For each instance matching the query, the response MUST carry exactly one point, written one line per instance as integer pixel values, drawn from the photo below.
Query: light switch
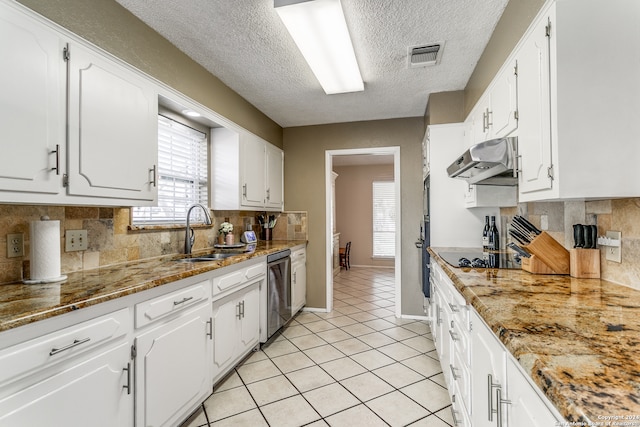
(75, 240)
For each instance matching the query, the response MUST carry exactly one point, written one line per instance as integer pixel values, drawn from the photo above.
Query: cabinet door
(534, 115)
(488, 360)
(503, 113)
(298, 286)
(226, 313)
(113, 130)
(275, 172)
(173, 368)
(526, 409)
(250, 319)
(91, 393)
(32, 105)
(252, 158)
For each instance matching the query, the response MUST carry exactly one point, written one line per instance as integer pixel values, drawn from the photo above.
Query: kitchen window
(384, 219)
(182, 175)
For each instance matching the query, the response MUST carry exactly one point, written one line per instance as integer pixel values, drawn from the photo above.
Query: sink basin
(210, 257)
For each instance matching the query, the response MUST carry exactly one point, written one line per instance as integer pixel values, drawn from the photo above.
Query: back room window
(384, 219)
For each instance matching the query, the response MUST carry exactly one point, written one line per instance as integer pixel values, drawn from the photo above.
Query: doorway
(329, 203)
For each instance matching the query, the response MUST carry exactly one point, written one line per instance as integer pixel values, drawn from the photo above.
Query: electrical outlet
(614, 253)
(75, 240)
(15, 245)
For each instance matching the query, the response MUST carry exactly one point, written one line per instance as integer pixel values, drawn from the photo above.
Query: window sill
(383, 257)
(164, 227)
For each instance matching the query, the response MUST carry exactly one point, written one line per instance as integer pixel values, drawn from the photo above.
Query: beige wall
(305, 190)
(111, 27)
(445, 107)
(354, 210)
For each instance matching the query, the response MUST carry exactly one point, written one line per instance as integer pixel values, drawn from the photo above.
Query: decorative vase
(228, 239)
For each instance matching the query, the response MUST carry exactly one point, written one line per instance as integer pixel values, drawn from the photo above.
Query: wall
(557, 218)
(113, 28)
(305, 153)
(112, 240)
(445, 107)
(354, 210)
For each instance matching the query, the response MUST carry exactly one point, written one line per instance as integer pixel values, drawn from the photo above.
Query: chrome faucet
(189, 238)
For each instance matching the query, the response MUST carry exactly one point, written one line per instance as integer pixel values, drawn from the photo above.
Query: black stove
(475, 259)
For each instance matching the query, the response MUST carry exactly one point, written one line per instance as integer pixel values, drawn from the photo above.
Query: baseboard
(371, 266)
(414, 317)
(314, 309)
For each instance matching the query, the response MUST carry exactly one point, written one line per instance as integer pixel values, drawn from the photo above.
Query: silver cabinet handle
(268, 194)
(57, 151)
(210, 324)
(456, 421)
(454, 336)
(185, 299)
(75, 343)
(238, 311)
(499, 402)
(489, 122)
(244, 191)
(438, 317)
(295, 277)
(153, 171)
(128, 385)
(490, 386)
(453, 372)
(242, 307)
(453, 307)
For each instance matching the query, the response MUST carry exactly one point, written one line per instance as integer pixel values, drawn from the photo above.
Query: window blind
(384, 219)
(182, 175)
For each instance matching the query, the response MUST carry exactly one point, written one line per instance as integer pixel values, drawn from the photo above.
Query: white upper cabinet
(82, 120)
(113, 129)
(32, 105)
(588, 53)
(246, 172)
(503, 114)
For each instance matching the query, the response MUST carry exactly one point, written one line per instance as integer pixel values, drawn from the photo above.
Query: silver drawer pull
(456, 421)
(490, 386)
(453, 307)
(128, 385)
(453, 372)
(499, 402)
(183, 301)
(454, 336)
(75, 343)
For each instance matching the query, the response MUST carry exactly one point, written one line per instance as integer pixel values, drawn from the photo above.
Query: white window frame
(383, 223)
(182, 175)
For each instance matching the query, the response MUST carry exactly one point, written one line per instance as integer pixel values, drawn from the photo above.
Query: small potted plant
(226, 230)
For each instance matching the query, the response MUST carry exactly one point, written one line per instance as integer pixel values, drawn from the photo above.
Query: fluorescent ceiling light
(319, 29)
(190, 113)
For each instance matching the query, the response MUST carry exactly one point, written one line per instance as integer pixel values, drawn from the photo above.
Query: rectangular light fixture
(320, 31)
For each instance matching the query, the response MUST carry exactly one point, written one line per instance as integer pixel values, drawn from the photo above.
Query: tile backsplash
(557, 218)
(111, 239)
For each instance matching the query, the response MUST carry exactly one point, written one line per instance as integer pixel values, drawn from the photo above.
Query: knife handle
(594, 235)
(588, 241)
(578, 236)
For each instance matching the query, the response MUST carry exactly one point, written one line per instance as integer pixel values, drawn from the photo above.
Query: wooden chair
(344, 256)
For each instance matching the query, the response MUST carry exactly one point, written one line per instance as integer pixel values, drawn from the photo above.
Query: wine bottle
(494, 245)
(485, 239)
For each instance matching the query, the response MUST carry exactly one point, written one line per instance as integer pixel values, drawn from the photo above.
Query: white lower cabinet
(172, 367)
(298, 279)
(236, 328)
(76, 376)
(501, 393)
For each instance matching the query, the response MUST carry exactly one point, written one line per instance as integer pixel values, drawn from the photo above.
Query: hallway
(355, 366)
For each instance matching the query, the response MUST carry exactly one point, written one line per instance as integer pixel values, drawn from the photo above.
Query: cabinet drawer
(156, 308)
(462, 378)
(238, 277)
(299, 256)
(31, 356)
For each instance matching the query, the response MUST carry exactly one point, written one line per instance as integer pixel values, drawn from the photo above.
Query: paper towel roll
(45, 251)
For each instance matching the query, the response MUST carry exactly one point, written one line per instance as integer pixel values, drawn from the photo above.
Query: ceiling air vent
(422, 56)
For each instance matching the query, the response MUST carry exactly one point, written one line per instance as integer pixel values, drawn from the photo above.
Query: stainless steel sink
(209, 257)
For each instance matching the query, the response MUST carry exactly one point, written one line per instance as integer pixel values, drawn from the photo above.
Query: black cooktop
(475, 259)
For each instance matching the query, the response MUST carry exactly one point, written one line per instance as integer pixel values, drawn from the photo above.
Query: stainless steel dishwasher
(278, 291)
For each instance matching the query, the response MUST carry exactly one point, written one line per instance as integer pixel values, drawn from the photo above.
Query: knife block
(535, 266)
(548, 251)
(585, 263)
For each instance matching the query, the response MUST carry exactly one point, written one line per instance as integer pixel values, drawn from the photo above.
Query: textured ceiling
(245, 44)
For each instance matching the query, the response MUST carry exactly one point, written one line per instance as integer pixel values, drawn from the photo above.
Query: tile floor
(355, 366)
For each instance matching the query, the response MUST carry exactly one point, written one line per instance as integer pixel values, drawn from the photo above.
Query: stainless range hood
(491, 162)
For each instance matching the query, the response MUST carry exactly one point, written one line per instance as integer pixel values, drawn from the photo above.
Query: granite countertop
(576, 338)
(22, 304)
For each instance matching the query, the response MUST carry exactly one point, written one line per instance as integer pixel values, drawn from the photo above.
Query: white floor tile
(292, 362)
(279, 348)
(258, 371)
(357, 329)
(372, 359)
(232, 380)
(420, 343)
(397, 409)
(271, 389)
(334, 335)
(228, 403)
(358, 416)
(398, 351)
(428, 394)
(342, 368)
(351, 346)
(295, 331)
(324, 353)
(429, 421)
(319, 326)
(366, 386)
(330, 399)
(399, 333)
(252, 418)
(341, 321)
(376, 339)
(197, 419)
(291, 412)
(309, 378)
(307, 341)
(398, 375)
(423, 365)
